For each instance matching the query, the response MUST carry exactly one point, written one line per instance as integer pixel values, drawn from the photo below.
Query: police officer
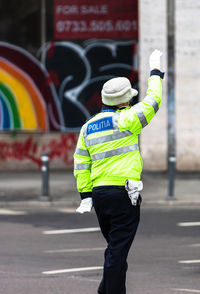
(108, 165)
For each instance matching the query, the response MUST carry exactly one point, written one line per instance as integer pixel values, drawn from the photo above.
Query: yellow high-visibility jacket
(107, 152)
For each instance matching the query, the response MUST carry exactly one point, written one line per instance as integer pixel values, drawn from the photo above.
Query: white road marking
(195, 245)
(71, 231)
(66, 210)
(187, 290)
(190, 261)
(11, 212)
(72, 270)
(75, 250)
(188, 224)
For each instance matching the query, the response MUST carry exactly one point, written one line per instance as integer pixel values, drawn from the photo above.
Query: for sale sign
(83, 19)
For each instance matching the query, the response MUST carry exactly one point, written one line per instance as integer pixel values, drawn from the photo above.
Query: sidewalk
(24, 189)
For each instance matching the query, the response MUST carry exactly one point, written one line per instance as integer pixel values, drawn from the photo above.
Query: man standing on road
(108, 165)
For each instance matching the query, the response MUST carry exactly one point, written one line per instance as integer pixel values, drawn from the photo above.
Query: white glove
(85, 206)
(154, 59)
(133, 188)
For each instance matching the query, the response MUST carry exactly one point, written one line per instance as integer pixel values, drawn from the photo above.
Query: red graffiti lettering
(63, 148)
(53, 77)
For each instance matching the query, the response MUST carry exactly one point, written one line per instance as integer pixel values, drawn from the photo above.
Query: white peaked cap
(117, 91)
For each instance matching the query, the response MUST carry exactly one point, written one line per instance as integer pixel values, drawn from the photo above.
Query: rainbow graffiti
(28, 100)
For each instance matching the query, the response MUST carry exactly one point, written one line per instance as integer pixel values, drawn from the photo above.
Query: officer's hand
(85, 206)
(154, 59)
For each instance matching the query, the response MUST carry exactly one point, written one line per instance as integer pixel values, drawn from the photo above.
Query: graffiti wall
(62, 91)
(24, 151)
(55, 92)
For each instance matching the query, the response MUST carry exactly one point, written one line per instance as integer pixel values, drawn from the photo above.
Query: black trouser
(118, 220)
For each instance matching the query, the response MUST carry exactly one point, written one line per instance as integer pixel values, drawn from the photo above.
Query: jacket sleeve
(140, 115)
(82, 168)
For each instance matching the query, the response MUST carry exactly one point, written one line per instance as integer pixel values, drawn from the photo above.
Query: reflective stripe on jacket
(107, 151)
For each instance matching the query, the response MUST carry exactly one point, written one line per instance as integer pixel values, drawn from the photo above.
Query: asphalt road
(164, 259)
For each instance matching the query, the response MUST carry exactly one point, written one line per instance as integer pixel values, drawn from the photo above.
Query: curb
(72, 205)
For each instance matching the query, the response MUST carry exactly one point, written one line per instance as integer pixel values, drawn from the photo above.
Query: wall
(153, 139)
(23, 151)
(63, 94)
(153, 35)
(44, 103)
(187, 84)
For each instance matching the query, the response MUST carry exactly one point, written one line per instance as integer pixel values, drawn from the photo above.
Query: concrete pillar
(153, 35)
(188, 84)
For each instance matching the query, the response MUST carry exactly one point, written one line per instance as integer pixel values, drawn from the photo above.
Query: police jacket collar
(107, 108)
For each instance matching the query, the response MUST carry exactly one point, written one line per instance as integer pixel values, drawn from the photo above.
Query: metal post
(43, 27)
(45, 175)
(171, 96)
